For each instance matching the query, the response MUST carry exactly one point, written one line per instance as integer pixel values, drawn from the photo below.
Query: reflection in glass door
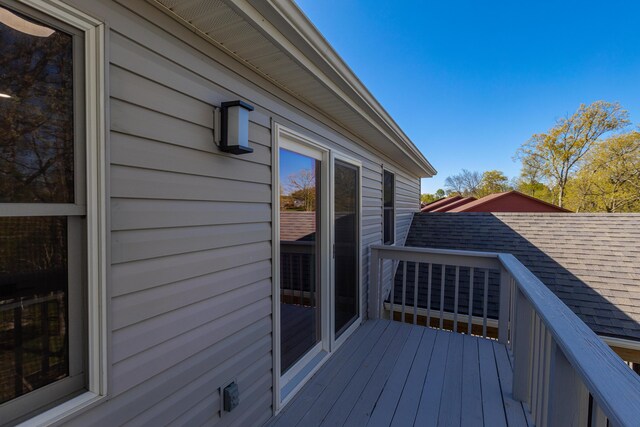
(300, 317)
(346, 241)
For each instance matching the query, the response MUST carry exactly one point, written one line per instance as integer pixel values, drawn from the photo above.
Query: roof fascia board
(331, 71)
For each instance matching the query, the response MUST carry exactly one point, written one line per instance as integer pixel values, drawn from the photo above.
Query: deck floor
(390, 373)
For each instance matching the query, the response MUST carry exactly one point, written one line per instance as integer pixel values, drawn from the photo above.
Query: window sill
(62, 412)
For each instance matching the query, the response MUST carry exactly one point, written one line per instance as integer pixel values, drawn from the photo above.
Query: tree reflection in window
(36, 115)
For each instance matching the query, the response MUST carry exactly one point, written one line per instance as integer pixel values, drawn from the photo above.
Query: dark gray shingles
(591, 261)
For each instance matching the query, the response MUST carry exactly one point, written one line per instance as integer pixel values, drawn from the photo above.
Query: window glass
(41, 266)
(36, 112)
(300, 327)
(33, 304)
(388, 189)
(389, 207)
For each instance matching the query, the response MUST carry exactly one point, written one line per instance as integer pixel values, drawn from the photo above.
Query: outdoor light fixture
(231, 128)
(4, 95)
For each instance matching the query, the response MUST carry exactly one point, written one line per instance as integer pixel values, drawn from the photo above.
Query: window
(45, 221)
(389, 202)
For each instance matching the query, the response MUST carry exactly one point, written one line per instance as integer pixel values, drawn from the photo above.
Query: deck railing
(563, 372)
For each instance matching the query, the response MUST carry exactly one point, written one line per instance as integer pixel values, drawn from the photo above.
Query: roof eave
(301, 39)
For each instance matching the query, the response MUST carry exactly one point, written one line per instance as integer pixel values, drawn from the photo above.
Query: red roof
(439, 203)
(458, 203)
(510, 201)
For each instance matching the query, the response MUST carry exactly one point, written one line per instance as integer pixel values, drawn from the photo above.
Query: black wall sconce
(231, 127)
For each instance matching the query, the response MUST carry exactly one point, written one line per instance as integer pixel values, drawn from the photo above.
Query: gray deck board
(361, 412)
(298, 407)
(334, 389)
(513, 409)
(343, 404)
(389, 373)
(429, 406)
(451, 399)
(407, 408)
(388, 400)
(492, 402)
(472, 413)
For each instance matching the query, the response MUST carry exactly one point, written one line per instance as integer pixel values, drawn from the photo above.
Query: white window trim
(395, 231)
(96, 251)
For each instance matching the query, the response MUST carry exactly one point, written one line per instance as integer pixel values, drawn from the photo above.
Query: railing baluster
(404, 288)
(455, 300)
(512, 314)
(568, 398)
(544, 376)
(470, 320)
(486, 297)
(415, 293)
(442, 279)
(503, 316)
(391, 296)
(375, 303)
(523, 348)
(429, 294)
(534, 371)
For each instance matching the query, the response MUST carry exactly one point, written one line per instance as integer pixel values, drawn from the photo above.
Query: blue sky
(470, 81)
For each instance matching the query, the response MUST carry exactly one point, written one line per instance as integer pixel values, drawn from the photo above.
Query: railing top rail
(440, 256)
(611, 383)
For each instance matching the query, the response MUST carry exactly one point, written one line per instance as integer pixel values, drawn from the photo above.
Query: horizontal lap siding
(190, 280)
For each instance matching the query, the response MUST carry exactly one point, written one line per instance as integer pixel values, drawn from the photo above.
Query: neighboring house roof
(590, 261)
(297, 225)
(280, 44)
(439, 203)
(451, 206)
(509, 201)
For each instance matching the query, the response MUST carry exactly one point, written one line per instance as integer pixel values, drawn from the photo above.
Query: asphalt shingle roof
(590, 261)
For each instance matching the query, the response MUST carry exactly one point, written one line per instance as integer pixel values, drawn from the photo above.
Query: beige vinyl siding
(190, 277)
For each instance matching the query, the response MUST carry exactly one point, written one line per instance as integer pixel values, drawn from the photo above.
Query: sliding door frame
(302, 370)
(336, 342)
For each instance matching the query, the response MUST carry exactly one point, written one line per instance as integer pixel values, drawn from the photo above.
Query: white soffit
(264, 41)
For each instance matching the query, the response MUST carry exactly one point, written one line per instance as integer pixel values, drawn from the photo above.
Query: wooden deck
(391, 373)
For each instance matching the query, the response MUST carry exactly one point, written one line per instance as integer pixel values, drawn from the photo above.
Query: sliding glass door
(317, 257)
(300, 275)
(346, 215)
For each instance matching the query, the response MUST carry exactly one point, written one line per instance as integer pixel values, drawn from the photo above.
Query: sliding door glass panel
(299, 250)
(347, 300)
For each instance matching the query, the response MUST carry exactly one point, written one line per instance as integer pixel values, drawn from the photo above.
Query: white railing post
(375, 303)
(522, 348)
(505, 296)
(568, 397)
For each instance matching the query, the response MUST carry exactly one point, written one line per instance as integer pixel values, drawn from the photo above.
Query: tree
(428, 198)
(466, 183)
(493, 181)
(610, 178)
(301, 190)
(557, 153)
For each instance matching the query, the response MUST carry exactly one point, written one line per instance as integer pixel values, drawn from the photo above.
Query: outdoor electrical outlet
(231, 397)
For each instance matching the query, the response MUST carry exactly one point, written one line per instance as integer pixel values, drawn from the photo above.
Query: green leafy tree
(428, 198)
(557, 154)
(493, 181)
(610, 177)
